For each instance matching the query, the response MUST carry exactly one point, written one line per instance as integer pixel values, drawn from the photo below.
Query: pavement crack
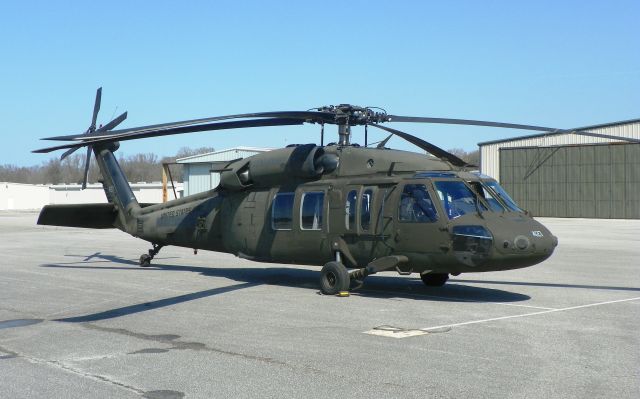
(9, 352)
(172, 340)
(175, 343)
(69, 369)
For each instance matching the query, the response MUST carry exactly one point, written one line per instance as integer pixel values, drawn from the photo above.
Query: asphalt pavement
(79, 318)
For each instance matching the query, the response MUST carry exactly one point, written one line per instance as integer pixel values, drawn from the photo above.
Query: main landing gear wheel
(434, 279)
(334, 278)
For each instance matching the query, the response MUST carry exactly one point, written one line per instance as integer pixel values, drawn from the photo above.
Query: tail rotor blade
(113, 123)
(68, 152)
(86, 167)
(96, 108)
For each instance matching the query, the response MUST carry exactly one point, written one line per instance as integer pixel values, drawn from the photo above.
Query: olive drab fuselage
(305, 204)
(340, 205)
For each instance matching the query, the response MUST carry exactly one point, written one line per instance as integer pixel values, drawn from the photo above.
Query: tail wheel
(145, 260)
(334, 278)
(434, 279)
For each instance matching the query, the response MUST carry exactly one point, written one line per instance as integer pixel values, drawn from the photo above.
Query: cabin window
(416, 205)
(282, 211)
(365, 209)
(311, 211)
(350, 209)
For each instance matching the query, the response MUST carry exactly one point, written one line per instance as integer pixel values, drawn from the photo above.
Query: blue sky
(561, 64)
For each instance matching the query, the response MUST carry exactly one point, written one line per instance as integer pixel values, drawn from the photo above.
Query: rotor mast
(344, 135)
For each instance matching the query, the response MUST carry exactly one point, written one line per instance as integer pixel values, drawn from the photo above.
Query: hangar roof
(586, 128)
(223, 155)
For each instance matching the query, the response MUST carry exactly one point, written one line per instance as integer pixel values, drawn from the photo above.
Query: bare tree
(472, 157)
(137, 168)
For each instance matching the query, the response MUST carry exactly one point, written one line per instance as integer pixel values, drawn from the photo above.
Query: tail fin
(121, 211)
(117, 188)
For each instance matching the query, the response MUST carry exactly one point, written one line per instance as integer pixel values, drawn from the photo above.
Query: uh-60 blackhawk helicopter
(341, 206)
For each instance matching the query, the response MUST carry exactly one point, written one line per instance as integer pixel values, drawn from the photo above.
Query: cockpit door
(420, 226)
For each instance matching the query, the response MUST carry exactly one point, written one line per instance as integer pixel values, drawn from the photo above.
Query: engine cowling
(306, 161)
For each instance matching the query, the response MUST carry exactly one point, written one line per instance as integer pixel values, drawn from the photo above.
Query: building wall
(16, 196)
(197, 175)
(490, 152)
(23, 196)
(589, 181)
(198, 178)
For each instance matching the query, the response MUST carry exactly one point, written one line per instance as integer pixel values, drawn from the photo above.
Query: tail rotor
(91, 131)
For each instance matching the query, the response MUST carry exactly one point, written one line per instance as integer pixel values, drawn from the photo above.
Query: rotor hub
(353, 115)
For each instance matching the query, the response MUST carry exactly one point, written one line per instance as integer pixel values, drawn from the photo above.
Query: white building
(17, 196)
(197, 175)
(23, 196)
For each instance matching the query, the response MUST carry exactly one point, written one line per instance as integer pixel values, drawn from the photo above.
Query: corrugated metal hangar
(197, 171)
(571, 175)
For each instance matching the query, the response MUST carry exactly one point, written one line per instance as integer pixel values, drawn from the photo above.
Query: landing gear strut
(335, 278)
(145, 259)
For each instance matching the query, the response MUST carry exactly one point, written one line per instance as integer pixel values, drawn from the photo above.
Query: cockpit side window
(493, 202)
(457, 199)
(497, 188)
(416, 205)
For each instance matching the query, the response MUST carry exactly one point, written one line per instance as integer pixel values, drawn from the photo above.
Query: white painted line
(530, 314)
(521, 306)
(396, 332)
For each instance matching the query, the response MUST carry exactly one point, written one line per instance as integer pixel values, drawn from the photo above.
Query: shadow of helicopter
(379, 286)
(551, 285)
(401, 283)
(107, 258)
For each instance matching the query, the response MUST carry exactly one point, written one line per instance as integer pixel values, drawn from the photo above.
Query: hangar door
(589, 181)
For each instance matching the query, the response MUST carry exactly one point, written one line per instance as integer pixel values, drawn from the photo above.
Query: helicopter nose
(530, 242)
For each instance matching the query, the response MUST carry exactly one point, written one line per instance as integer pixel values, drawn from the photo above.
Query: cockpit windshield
(457, 199)
(497, 188)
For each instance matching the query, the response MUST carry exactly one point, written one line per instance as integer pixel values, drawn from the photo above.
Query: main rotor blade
(448, 121)
(307, 116)
(605, 136)
(87, 160)
(430, 148)
(178, 130)
(96, 107)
